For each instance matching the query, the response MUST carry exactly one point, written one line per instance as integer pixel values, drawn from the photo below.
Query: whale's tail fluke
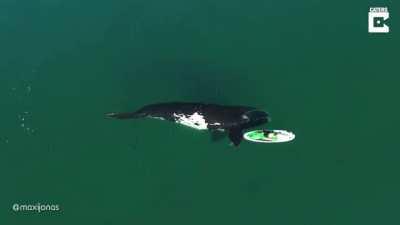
(125, 115)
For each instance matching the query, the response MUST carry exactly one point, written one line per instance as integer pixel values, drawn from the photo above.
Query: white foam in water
(22, 92)
(24, 119)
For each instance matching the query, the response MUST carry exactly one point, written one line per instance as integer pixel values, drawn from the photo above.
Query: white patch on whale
(216, 124)
(156, 117)
(195, 120)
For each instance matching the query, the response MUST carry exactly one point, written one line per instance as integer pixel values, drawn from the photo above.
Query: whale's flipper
(125, 115)
(236, 135)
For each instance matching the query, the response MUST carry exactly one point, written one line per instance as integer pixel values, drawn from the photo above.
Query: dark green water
(311, 64)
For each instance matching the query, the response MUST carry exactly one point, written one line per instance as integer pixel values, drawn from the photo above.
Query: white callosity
(195, 120)
(156, 117)
(216, 124)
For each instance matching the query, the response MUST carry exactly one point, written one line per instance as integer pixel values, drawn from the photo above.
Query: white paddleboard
(269, 136)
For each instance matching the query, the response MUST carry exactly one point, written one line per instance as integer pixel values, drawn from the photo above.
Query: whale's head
(255, 118)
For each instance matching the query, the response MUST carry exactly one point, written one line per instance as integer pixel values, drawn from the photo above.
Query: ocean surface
(311, 64)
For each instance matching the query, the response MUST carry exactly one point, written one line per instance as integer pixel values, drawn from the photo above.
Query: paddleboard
(269, 136)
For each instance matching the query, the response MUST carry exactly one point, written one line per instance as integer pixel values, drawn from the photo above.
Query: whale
(202, 116)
